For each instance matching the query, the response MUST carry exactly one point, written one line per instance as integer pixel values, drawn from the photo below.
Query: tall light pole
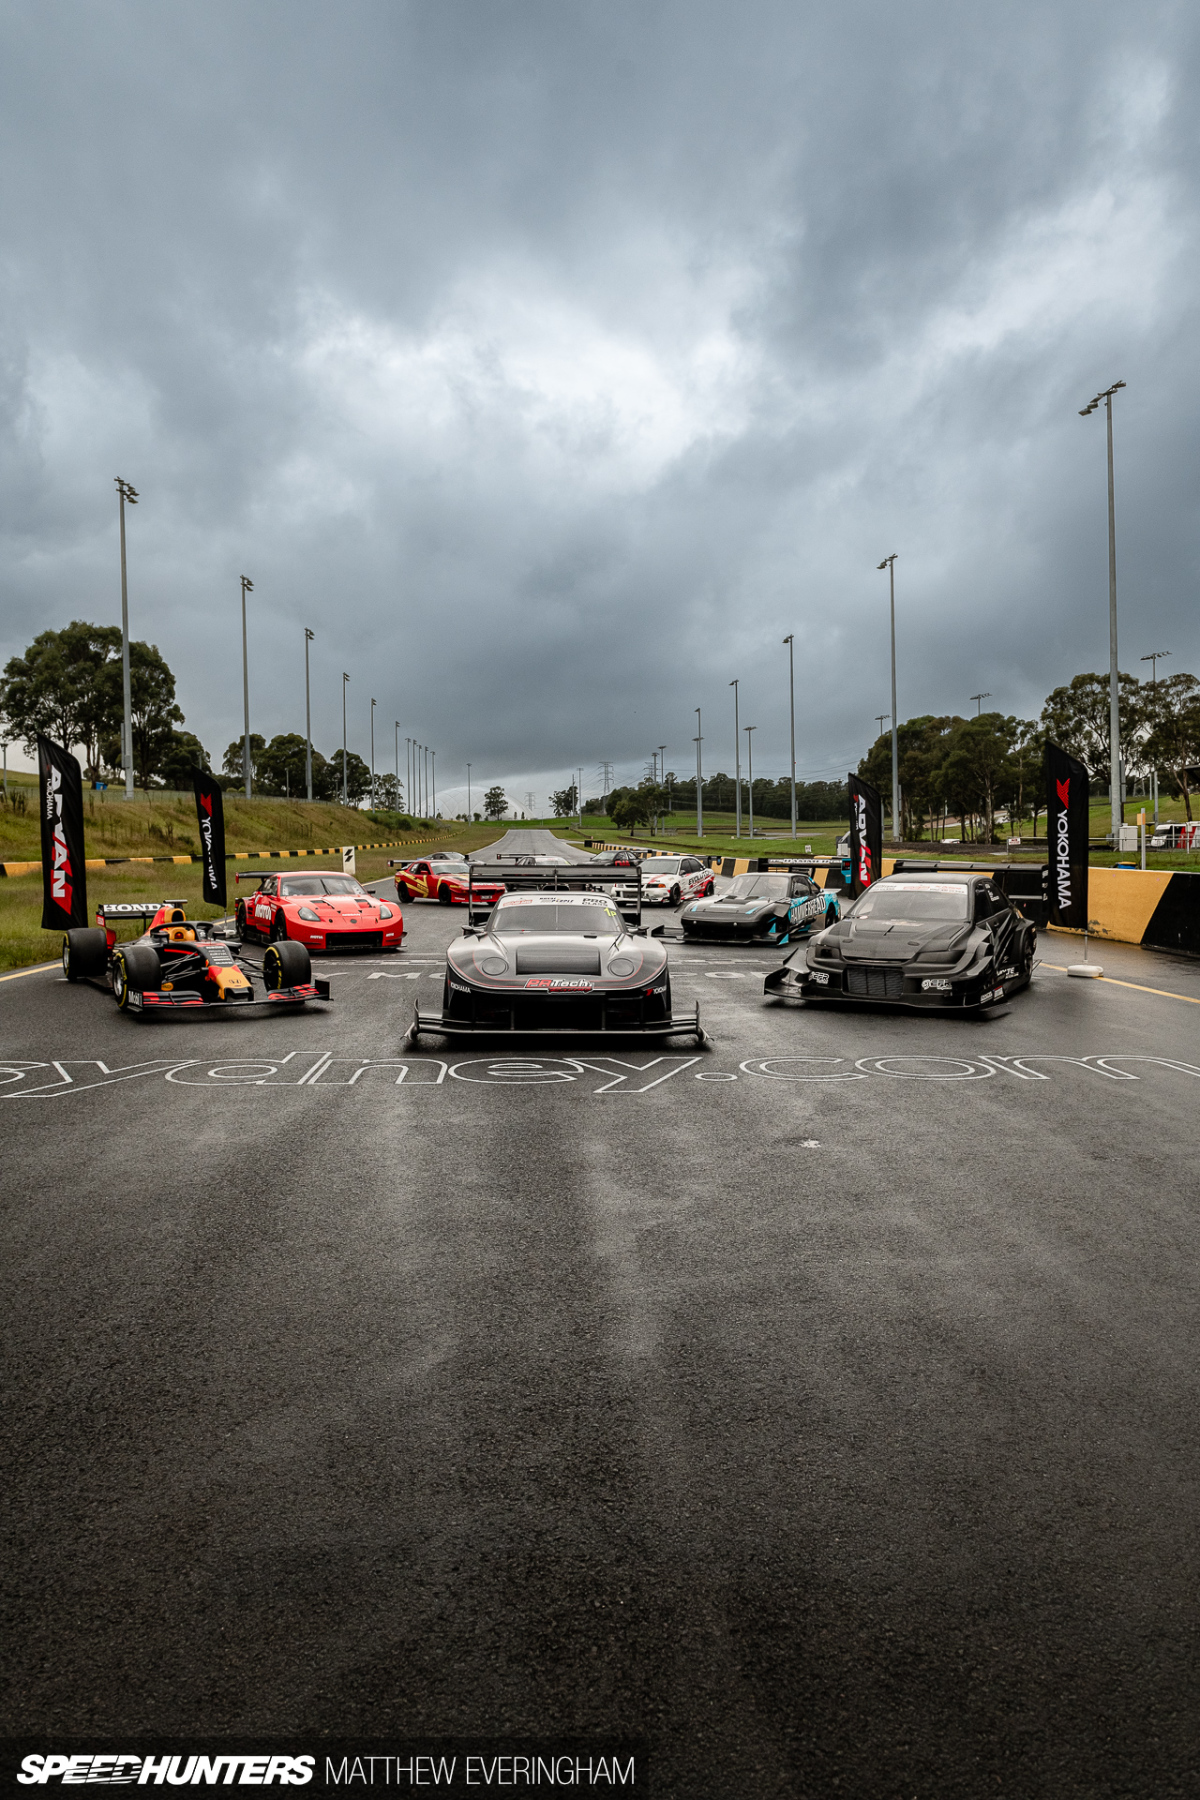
(737, 764)
(396, 723)
(1114, 680)
(372, 756)
(433, 778)
(247, 588)
(1154, 658)
(345, 786)
(425, 760)
(410, 797)
(750, 754)
(699, 779)
(127, 494)
(889, 563)
(308, 638)
(980, 698)
(789, 640)
(468, 793)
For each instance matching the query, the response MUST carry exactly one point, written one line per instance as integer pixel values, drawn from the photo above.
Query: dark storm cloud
(553, 362)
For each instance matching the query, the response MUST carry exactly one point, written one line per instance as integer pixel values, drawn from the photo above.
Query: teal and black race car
(775, 908)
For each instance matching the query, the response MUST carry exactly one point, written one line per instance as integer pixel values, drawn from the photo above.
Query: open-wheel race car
(323, 909)
(555, 956)
(775, 907)
(179, 963)
(945, 940)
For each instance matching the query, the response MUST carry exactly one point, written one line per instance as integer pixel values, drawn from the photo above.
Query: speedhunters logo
(114, 1770)
(452, 1767)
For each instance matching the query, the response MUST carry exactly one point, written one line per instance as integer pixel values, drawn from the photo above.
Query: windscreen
(660, 865)
(294, 887)
(523, 920)
(759, 887)
(913, 902)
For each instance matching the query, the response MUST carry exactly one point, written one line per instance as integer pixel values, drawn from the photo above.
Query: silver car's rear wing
(563, 878)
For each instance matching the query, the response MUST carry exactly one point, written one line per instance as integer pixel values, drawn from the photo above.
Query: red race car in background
(442, 878)
(321, 908)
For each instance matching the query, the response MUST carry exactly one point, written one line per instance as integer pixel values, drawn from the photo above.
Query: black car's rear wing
(563, 878)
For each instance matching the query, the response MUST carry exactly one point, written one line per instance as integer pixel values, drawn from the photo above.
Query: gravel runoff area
(820, 1406)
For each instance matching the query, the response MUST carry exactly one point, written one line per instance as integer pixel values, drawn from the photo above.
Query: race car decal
(559, 983)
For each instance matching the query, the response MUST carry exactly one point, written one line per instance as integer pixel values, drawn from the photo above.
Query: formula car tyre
(84, 954)
(286, 965)
(444, 896)
(136, 970)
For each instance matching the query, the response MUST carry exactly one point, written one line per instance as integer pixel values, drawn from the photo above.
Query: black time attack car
(776, 908)
(557, 963)
(179, 963)
(941, 941)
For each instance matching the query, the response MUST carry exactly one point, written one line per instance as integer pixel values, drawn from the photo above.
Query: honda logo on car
(179, 1771)
(1062, 843)
(559, 983)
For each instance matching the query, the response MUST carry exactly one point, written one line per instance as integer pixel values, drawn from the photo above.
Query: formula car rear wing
(116, 910)
(563, 878)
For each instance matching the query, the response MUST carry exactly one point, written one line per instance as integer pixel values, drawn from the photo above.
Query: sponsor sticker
(560, 983)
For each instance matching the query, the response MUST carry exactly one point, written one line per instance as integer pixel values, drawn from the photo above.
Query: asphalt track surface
(820, 1406)
(536, 843)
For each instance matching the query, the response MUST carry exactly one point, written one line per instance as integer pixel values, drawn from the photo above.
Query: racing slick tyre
(675, 896)
(285, 965)
(135, 970)
(444, 896)
(243, 929)
(84, 954)
(402, 894)
(278, 929)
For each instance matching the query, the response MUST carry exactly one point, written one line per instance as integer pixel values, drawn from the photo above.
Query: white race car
(669, 880)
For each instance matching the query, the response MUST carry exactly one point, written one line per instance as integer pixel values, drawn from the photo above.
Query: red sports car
(445, 879)
(321, 908)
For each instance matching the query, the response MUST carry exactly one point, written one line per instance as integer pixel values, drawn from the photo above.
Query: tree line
(68, 686)
(971, 769)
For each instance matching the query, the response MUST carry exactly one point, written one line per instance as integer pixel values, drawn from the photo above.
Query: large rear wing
(116, 910)
(562, 878)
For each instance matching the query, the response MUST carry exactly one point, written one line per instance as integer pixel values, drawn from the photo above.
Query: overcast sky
(553, 359)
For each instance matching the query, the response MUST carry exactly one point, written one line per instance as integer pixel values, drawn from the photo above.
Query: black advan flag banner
(210, 816)
(1067, 830)
(866, 835)
(64, 882)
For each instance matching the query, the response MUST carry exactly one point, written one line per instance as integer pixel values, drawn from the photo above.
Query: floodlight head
(247, 584)
(790, 636)
(309, 634)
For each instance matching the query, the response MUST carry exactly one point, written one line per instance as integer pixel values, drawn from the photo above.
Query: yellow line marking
(1136, 985)
(40, 969)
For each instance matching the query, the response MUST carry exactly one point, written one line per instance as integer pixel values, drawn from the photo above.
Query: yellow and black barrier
(116, 862)
(1159, 908)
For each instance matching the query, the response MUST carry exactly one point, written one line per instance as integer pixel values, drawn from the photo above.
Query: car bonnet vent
(557, 959)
